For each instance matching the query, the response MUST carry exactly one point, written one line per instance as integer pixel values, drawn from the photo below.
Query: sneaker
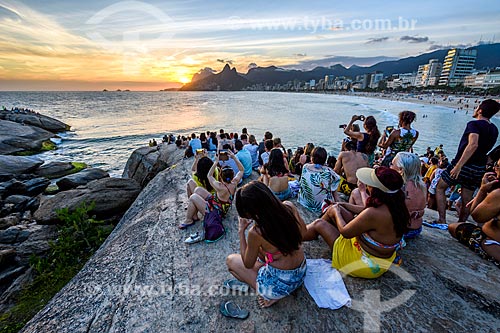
(194, 238)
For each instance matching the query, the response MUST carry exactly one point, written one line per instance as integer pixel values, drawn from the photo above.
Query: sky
(152, 45)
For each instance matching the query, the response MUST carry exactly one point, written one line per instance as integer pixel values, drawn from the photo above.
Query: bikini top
(269, 256)
(373, 242)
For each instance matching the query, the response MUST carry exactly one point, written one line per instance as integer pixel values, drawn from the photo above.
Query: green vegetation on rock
(79, 236)
(78, 166)
(48, 145)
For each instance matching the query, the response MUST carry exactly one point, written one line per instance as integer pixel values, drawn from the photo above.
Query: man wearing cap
(469, 164)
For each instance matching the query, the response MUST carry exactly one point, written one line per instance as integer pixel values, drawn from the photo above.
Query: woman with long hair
(200, 168)
(276, 175)
(401, 139)
(271, 258)
(202, 201)
(365, 245)
(408, 165)
(366, 141)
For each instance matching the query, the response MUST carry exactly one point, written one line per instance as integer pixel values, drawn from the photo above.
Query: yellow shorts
(349, 258)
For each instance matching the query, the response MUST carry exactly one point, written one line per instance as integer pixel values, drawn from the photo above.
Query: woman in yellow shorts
(364, 245)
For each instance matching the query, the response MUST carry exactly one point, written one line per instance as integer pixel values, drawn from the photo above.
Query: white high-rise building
(457, 64)
(428, 74)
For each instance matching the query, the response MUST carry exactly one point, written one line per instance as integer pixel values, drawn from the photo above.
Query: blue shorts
(283, 195)
(274, 283)
(413, 233)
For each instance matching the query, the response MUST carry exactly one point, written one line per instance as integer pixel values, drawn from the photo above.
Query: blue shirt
(246, 160)
(195, 144)
(254, 152)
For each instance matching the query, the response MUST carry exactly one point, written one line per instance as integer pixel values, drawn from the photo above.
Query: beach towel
(325, 285)
(441, 226)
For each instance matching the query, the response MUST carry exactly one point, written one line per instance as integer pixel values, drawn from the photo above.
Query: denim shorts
(283, 195)
(274, 283)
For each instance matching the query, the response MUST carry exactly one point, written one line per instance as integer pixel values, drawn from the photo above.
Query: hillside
(226, 80)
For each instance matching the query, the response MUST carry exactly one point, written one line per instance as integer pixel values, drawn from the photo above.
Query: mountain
(488, 56)
(228, 80)
(202, 73)
(345, 61)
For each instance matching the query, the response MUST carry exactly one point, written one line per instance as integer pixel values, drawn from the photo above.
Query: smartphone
(223, 155)
(362, 118)
(200, 151)
(388, 130)
(343, 126)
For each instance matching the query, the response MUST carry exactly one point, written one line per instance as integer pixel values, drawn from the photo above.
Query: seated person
(271, 258)
(202, 200)
(408, 166)
(483, 238)
(195, 143)
(253, 148)
(200, 168)
(244, 157)
(318, 182)
(365, 245)
(347, 163)
(276, 175)
(268, 145)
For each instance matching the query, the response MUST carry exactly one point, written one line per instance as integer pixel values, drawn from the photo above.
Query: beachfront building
(403, 81)
(428, 74)
(457, 64)
(375, 79)
(475, 80)
(492, 79)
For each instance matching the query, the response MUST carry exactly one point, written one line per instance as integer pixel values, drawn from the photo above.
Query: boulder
(35, 119)
(56, 169)
(21, 203)
(18, 138)
(15, 234)
(37, 242)
(15, 165)
(35, 186)
(7, 257)
(81, 178)
(9, 221)
(146, 162)
(8, 297)
(111, 196)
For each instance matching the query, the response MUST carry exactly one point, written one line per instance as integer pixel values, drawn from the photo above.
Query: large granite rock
(145, 279)
(111, 196)
(81, 178)
(15, 165)
(16, 138)
(35, 119)
(55, 169)
(146, 162)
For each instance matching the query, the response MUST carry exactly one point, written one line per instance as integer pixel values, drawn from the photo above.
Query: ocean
(107, 126)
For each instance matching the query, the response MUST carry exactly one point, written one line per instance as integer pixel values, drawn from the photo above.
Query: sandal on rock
(236, 285)
(194, 238)
(183, 226)
(233, 310)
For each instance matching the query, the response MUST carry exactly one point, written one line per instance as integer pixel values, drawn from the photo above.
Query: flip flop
(233, 310)
(183, 226)
(236, 285)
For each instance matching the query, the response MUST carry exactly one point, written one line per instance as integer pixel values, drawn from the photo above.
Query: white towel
(325, 285)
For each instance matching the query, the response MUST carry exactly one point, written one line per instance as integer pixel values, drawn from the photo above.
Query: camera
(362, 118)
(343, 126)
(223, 155)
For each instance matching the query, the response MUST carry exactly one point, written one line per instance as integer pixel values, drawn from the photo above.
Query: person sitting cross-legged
(365, 245)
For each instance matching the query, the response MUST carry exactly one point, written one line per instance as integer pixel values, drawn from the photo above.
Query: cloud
(414, 39)
(434, 47)
(221, 60)
(300, 55)
(225, 61)
(376, 40)
(252, 65)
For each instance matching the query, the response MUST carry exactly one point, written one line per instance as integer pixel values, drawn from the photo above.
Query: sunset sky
(150, 45)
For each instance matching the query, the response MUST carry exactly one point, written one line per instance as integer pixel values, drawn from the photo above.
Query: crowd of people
(370, 199)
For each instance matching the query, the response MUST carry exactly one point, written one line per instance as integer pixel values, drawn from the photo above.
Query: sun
(184, 80)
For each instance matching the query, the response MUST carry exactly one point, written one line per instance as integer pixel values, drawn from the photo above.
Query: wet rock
(15, 165)
(111, 196)
(55, 170)
(35, 186)
(81, 178)
(35, 119)
(18, 138)
(9, 221)
(14, 234)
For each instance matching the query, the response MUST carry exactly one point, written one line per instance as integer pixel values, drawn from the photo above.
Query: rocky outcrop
(18, 138)
(111, 196)
(145, 163)
(16, 165)
(227, 80)
(35, 119)
(144, 278)
(81, 178)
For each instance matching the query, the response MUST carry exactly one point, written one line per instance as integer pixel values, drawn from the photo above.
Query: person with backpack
(271, 259)
(205, 202)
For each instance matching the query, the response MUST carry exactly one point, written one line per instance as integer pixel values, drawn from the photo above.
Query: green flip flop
(233, 310)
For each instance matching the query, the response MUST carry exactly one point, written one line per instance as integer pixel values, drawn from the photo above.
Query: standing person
(366, 142)
(195, 143)
(469, 164)
(318, 182)
(348, 163)
(271, 258)
(401, 139)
